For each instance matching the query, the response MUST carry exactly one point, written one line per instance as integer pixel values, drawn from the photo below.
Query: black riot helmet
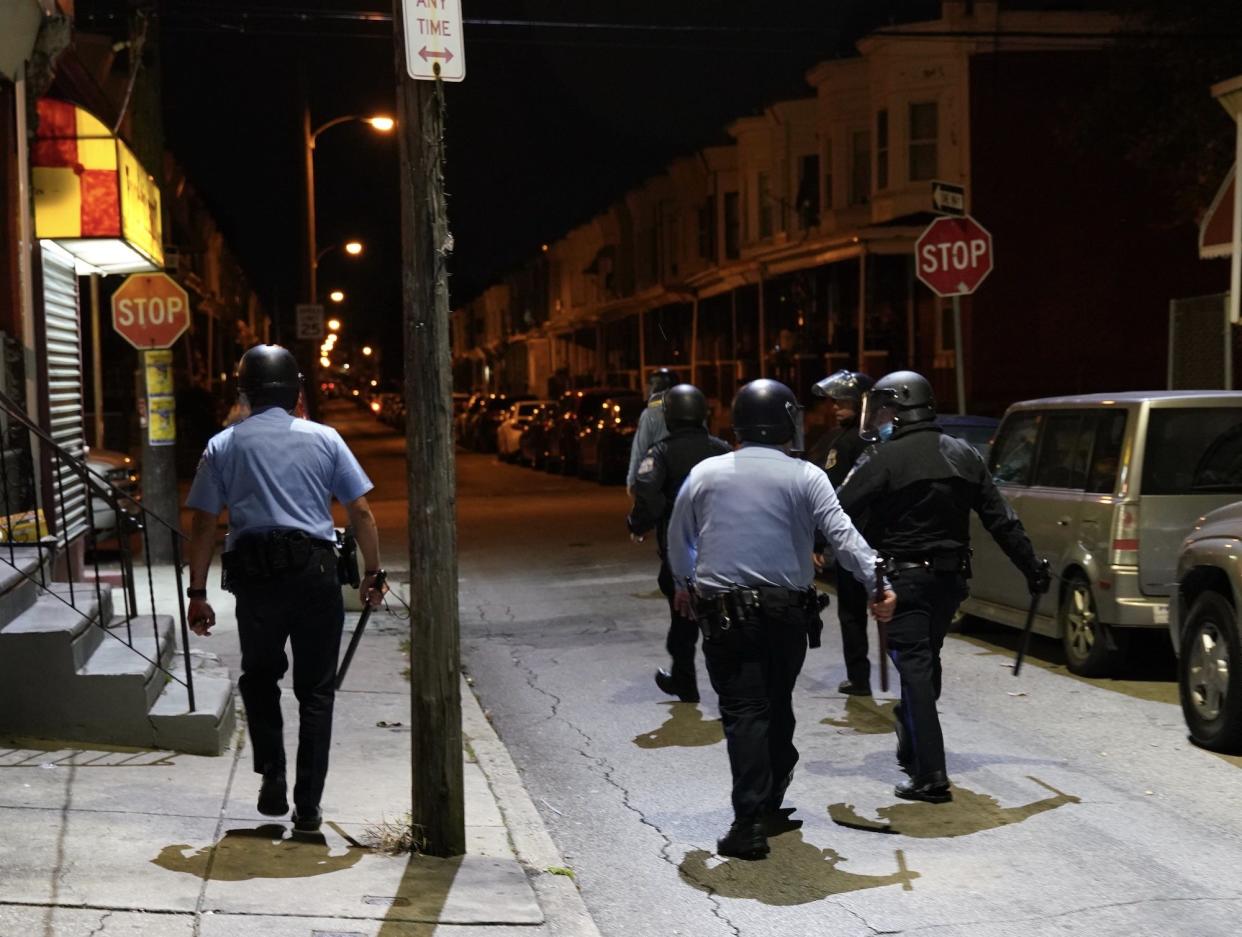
(660, 380)
(268, 376)
(900, 399)
(844, 385)
(766, 411)
(684, 405)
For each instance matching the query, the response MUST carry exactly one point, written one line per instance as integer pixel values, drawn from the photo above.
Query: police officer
(651, 428)
(913, 499)
(660, 476)
(276, 474)
(837, 453)
(740, 539)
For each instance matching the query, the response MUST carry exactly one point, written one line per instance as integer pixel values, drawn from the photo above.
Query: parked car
(577, 407)
(1107, 487)
(122, 473)
(1205, 628)
(509, 436)
(604, 442)
(466, 416)
(976, 430)
(533, 445)
(487, 420)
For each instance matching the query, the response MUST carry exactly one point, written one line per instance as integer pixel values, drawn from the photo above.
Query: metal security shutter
(64, 389)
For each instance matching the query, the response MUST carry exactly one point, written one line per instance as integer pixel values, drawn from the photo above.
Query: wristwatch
(193, 593)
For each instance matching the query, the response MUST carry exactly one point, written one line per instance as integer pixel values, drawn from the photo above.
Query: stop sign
(954, 255)
(150, 310)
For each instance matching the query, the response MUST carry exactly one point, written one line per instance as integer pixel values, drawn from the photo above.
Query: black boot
(307, 819)
(932, 789)
(854, 687)
(686, 693)
(745, 840)
(273, 794)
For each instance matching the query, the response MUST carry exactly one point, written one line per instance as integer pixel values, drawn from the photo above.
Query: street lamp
(353, 248)
(334, 325)
(337, 296)
(381, 123)
(366, 351)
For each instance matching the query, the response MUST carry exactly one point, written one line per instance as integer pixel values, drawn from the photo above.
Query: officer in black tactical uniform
(659, 478)
(913, 499)
(836, 453)
(277, 474)
(739, 549)
(651, 427)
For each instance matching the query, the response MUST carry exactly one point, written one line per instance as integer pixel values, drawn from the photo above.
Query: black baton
(1030, 623)
(362, 625)
(880, 627)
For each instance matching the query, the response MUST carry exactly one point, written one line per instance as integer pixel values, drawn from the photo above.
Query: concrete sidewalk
(100, 842)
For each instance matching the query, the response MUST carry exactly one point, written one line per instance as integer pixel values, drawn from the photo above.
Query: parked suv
(1107, 487)
(1203, 622)
(577, 407)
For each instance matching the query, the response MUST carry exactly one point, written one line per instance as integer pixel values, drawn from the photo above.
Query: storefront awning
(92, 196)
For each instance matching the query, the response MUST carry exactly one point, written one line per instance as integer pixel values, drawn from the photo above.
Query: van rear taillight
(1125, 550)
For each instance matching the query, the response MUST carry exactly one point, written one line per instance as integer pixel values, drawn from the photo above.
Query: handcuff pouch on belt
(268, 556)
(347, 558)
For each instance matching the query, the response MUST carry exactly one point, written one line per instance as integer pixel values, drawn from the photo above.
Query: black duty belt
(272, 555)
(738, 604)
(952, 561)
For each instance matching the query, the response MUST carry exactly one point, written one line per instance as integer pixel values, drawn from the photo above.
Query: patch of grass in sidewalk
(560, 870)
(398, 837)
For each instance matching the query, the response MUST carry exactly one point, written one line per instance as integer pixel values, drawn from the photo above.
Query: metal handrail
(132, 517)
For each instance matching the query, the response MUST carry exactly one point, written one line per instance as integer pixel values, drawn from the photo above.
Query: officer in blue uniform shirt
(739, 547)
(277, 475)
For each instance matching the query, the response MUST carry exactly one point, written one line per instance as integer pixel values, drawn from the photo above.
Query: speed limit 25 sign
(150, 310)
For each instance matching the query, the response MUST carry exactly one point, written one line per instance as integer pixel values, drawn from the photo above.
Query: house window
(860, 168)
(763, 192)
(733, 225)
(808, 191)
(827, 175)
(924, 134)
(881, 150)
(707, 229)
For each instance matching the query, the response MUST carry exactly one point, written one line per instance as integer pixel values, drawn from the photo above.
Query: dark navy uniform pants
(852, 612)
(753, 669)
(683, 634)
(306, 610)
(926, 603)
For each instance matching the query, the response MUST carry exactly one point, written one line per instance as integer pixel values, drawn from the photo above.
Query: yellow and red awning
(92, 196)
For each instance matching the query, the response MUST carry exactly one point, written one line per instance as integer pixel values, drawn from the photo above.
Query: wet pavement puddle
(968, 812)
(795, 872)
(259, 852)
(865, 715)
(686, 727)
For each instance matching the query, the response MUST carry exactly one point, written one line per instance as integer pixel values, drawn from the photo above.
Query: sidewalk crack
(103, 922)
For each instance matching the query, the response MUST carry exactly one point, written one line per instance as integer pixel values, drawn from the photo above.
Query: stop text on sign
(156, 310)
(953, 255)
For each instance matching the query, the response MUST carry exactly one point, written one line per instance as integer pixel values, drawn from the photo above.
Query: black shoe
(664, 680)
(850, 688)
(745, 840)
(932, 789)
(776, 822)
(273, 797)
(307, 819)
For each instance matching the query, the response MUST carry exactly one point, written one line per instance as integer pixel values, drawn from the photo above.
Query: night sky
(552, 123)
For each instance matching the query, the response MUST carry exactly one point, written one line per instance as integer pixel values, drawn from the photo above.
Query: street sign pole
(438, 801)
(959, 364)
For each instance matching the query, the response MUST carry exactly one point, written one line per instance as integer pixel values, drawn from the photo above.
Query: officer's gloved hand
(1039, 580)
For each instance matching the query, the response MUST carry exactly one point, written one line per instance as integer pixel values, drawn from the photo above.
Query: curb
(562, 903)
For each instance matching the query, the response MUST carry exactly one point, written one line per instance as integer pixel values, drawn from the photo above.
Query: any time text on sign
(433, 39)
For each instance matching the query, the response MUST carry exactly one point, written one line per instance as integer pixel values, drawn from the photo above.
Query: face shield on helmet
(840, 385)
(879, 410)
(796, 417)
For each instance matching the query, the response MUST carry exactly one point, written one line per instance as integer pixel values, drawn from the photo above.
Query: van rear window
(1193, 451)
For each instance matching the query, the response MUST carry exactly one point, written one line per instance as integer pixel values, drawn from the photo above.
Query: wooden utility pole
(435, 680)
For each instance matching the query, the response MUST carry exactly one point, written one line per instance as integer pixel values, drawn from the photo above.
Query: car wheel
(1091, 647)
(1209, 673)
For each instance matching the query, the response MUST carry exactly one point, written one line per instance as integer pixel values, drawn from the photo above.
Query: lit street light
(337, 296)
(353, 248)
(382, 123)
(366, 351)
(326, 362)
(334, 325)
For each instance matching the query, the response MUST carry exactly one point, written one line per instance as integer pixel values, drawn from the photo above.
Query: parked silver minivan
(1107, 486)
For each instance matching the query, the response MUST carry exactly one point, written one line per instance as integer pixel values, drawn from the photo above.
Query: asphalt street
(1080, 806)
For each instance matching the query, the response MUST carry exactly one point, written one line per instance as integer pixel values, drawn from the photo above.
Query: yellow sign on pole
(158, 364)
(162, 420)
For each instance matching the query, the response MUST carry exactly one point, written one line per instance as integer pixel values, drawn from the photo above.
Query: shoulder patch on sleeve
(831, 462)
(646, 465)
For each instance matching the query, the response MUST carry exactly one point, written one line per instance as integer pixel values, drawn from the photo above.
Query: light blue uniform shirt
(652, 427)
(748, 518)
(273, 470)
